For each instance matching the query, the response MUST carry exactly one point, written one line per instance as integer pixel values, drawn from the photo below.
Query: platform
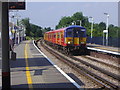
(32, 70)
(107, 49)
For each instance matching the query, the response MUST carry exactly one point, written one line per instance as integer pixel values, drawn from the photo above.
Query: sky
(48, 14)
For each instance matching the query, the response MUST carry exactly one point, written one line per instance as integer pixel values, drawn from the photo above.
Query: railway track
(98, 68)
(101, 62)
(75, 63)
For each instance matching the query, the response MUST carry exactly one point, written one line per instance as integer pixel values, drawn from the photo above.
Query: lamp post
(74, 22)
(18, 27)
(91, 28)
(80, 22)
(107, 28)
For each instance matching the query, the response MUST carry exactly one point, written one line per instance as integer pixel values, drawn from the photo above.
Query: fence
(115, 42)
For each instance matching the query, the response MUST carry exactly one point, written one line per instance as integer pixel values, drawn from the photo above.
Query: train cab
(75, 36)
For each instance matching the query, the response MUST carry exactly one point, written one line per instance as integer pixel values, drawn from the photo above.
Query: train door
(82, 36)
(56, 37)
(69, 36)
(76, 36)
(73, 36)
(62, 38)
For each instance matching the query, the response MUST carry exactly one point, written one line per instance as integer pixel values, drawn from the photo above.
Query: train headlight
(82, 42)
(68, 42)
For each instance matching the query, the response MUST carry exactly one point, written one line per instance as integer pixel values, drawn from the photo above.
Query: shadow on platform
(45, 86)
(20, 62)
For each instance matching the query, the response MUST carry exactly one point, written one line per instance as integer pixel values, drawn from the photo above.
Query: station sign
(18, 5)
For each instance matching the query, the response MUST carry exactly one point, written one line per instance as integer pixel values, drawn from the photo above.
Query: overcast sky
(48, 14)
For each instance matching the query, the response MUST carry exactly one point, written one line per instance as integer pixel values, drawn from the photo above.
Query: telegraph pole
(5, 48)
(80, 22)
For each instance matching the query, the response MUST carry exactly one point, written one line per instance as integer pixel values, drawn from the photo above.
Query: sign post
(105, 32)
(5, 48)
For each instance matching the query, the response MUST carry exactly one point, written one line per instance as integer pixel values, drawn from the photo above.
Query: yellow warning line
(29, 79)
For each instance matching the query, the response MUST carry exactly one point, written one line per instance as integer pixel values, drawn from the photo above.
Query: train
(68, 39)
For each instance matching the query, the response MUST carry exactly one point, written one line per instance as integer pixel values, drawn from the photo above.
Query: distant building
(11, 30)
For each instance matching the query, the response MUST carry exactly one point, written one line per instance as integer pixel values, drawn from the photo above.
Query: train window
(69, 32)
(54, 35)
(61, 34)
(48, 35)
(82, 33)
(82, 29)
(58, 34)
(51, 35)
(76, 32)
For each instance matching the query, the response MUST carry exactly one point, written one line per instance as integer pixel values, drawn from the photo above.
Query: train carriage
(70, 38)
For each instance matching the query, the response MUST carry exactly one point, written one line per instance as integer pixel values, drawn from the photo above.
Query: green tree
(102, 26)
(99, 29)
(32, 30)
(113, 31)
(26, 23)
(36, 30)
(38, 33)
(46, 30)
(64, 22)
(77, 16)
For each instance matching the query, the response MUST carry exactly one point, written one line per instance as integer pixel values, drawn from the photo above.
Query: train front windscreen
(79, 32)
(76, 32)
(82, 33)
